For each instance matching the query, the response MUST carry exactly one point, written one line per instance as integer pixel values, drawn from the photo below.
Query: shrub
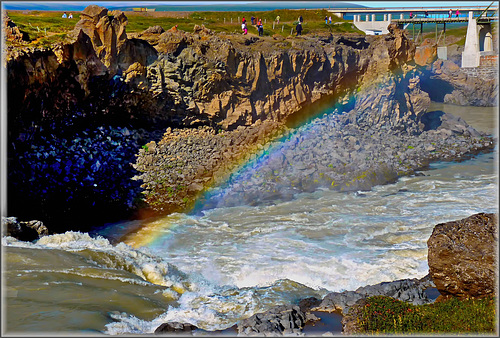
(387, 315)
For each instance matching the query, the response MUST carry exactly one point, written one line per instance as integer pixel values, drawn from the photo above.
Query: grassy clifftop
(46, 27)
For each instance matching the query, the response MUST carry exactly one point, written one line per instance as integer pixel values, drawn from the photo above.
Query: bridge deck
(443, 10)
(444, 20)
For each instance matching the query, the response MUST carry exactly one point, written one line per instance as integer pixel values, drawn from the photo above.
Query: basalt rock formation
(462, 256)
(224, 96)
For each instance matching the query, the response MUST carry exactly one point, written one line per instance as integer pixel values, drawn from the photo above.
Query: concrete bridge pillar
(385, 17)
(367, 17)
(373, 17)
(401, 16)
(470, 55)
(485, 38)
(488, 42)
(389, 17)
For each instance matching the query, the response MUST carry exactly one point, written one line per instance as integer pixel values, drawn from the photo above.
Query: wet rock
(351, 324)
(462, 256)
(23, 231)
(175, 328)
(278, 321)
(407, 290)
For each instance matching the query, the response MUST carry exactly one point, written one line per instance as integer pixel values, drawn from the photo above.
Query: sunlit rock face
(228, 92)
(462, 256)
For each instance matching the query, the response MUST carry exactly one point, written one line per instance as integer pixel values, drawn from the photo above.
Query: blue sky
(80, 5)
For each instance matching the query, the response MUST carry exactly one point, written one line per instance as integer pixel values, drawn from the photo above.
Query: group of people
(70, 16)
(260, 27)
(328, 19)
(255, 21)
(450, 14)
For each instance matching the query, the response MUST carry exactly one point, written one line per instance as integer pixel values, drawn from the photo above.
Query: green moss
(387, 315)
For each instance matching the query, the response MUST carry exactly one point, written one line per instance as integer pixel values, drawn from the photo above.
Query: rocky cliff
(463, 256)
(224, 96)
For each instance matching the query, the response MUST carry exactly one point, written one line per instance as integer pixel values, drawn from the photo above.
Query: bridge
(341, 12)
(479, 40)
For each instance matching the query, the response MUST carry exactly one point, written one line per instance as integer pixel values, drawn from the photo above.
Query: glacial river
(225, 264)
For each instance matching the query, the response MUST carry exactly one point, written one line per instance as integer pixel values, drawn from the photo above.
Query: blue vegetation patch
(88, 171)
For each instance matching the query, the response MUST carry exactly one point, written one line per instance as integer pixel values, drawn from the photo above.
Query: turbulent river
(224, 264)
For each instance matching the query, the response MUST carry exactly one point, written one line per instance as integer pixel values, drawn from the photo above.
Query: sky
(379, 4)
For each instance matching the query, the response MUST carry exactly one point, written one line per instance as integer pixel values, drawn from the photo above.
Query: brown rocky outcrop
(201, 78)
(462, 256)
(11, 31)
(218, 82)
(107, 33)
(426, 53)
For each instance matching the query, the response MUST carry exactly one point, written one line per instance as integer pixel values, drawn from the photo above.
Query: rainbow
(254, 171)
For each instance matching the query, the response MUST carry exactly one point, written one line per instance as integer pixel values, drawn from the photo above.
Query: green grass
(387, 315)
(45, 27)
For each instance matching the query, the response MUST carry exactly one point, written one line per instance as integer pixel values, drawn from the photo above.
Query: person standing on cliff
(278, 19)
(299, 29)
(260, 28)
(450, 13)
(330, 19)
(326, 20)
(244, 20)
(457, 13)
(70, 16)
(253, 20)
(244, 28)
(301, 19)
(64, 16)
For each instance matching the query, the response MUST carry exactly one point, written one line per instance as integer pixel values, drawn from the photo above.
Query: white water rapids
(214, 269)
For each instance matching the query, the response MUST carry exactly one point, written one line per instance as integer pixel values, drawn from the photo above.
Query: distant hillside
(248, 6)
(128, 5)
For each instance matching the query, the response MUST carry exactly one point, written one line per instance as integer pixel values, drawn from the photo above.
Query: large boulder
(462, 256)
(280, 320)
(107, 32)
(426, 53)
(175, 328)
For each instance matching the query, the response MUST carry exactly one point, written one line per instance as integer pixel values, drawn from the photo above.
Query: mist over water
(223, 264)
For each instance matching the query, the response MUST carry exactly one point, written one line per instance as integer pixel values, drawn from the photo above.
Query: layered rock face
(224, 97)
(462, 256)
(446, 82)
(192, 79)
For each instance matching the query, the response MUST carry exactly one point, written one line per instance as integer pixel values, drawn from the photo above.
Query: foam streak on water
(325, 241)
